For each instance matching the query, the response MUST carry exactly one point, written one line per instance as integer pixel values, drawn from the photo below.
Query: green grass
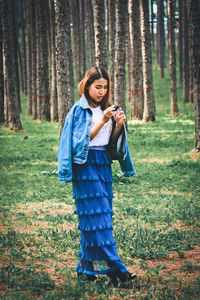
(156, 221)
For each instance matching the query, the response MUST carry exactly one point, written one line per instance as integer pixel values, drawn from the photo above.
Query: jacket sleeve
(127, 165)
(65, 151)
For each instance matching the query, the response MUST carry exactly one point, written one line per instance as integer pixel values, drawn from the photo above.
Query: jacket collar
(83, 103)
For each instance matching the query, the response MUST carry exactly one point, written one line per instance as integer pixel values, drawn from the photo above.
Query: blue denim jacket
(74, 142)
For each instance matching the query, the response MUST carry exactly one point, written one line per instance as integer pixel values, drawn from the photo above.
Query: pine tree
(64, 70)
(149, 103)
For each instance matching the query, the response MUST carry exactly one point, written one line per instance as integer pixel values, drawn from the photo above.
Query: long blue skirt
(92, 191)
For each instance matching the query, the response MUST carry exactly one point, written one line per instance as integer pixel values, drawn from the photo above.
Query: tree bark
(99, 32)
(136, 91)
(43, 107)
(191, 80)
(172, 56)
(17, 50)
(194, 14)
(77, 15)
(112, 32)
(128, 52)
(29, 56)
(1, 73)
(82, 54)
(152, 24)
(119, 71)
(180, 42)
(89, 19)
(53, 83)
(161, 37)
(33, 45)
(64, 70)
(149, 103)
(186, 67)
(11, 85)
(23, 48)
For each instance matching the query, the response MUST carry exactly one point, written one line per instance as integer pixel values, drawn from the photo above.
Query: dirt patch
(43, 162)
(174, 265)
(135, 122)
(55, 148)
(46, 207)
(193, 155)
(154, 160)
(171, 192)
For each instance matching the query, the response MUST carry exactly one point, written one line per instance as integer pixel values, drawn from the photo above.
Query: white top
(103, 136)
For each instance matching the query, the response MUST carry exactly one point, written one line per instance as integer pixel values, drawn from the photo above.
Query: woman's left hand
(120, 118)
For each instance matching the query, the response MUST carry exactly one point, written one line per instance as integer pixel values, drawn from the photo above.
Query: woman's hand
(108, 113)
(106, 116)
(120, 118)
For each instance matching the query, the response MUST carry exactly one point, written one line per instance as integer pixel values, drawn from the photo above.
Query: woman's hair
(91, 75)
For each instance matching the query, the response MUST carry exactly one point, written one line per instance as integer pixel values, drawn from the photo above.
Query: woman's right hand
(108, 113)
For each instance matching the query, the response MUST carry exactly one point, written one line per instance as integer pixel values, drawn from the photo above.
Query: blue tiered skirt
(92, 191)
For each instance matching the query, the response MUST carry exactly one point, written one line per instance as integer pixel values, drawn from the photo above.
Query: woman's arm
(107, 115)
(120, 119)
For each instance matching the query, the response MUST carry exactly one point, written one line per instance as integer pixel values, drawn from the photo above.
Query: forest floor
(156, 221)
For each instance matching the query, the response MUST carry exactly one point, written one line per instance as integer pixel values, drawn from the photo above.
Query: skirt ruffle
(92, 191)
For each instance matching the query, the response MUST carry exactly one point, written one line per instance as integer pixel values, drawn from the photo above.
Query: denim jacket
(74, 142)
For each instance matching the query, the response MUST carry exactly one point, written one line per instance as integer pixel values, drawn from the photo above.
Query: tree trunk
(1, 73)
(42, 64)
(5, 77)
(136, 91)
(74, 12)
(194, 14)
(77, 15)
(186, 67)
(152, 24)
(191, 80)
(111, 30)
(82, 54)
(64, 70)
(119, 71)
(53, 84)
(33, 43)
(16, 30)
(149, 103)
(29, 56)
(172, 56)
(161, 37)
(128, 53)
(11, 85)
(89, 19)
(23, 48)
(100, 35)
(180, 42)
(16, 53)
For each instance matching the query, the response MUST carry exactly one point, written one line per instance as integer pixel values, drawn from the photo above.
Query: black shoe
(87, 277)
(113, 279)
(125, 279)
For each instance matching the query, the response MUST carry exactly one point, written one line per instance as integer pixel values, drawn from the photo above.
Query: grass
(156, 221)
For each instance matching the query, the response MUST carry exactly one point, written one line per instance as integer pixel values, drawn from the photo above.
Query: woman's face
(98, 89)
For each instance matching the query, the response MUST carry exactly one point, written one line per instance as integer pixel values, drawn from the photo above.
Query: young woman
(87, 145)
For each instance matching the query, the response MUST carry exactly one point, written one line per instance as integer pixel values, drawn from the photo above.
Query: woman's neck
(93, 103)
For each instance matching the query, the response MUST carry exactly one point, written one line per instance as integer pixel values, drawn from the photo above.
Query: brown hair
(91, 75)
